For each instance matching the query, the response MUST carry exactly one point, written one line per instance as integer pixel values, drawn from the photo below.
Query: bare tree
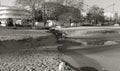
(31, 5)
(96, 14)
(74, 3)
(55, 1)
(34, 5)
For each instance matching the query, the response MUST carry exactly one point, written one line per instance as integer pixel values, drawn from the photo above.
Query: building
(109, 16)
(84, 14)
(16, 14)
(112, 16)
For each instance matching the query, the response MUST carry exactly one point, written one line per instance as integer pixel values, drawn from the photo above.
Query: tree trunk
(33, 15)
(44, 17)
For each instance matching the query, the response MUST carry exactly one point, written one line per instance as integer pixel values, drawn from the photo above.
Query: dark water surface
(98, 57)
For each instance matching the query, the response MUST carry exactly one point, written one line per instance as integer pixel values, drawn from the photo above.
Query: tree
(72, 15)
(55, 1)
(57, 11)
(38, 15)
(52, 10)
(74, 3)
(95, 14)
(31, 5)
(35, 5)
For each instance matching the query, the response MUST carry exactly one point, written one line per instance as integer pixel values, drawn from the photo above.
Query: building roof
(12, 8)
(13, 12)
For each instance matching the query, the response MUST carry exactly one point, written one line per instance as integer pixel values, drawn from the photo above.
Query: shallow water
(107, 57)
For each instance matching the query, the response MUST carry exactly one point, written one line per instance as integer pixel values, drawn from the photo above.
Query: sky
(100, 3)
(8, 2)
(104, 4)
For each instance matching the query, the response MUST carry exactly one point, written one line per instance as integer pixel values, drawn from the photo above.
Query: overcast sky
(101, 3)
(105, 3)
(8, 2)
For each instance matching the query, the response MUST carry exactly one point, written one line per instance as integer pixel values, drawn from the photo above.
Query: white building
(109, 15)
(84, 14)
(17, 14)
